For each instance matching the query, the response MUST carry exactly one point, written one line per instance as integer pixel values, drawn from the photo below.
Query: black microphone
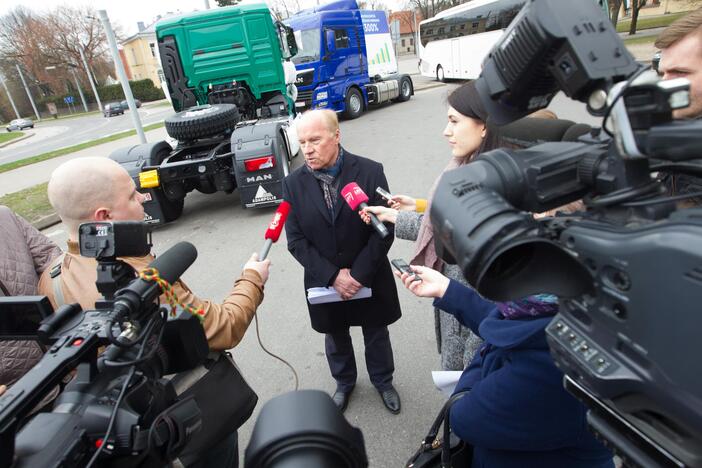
(356, 199)
(170, 265)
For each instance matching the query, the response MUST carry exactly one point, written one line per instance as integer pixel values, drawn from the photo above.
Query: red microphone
(274, 229)
(356, 199)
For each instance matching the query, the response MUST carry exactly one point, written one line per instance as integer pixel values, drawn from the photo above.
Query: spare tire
(202, 121)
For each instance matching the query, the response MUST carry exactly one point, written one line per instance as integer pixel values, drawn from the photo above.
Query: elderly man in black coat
(339, 250)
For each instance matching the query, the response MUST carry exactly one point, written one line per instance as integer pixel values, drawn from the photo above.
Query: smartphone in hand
(383, 193)
(402, 266)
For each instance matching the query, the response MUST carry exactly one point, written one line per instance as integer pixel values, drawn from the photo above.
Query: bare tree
(635, 7)
(614, 7)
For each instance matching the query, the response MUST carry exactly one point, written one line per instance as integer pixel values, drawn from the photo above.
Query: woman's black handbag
(435, 453)
(225, 399)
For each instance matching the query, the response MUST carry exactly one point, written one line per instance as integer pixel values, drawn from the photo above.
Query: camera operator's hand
(403, 203)
(260, 267)
(433, 283)
(345, 284)
(384, 214)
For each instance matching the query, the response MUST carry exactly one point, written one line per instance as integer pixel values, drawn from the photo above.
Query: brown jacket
(224, 323)
(24, 254)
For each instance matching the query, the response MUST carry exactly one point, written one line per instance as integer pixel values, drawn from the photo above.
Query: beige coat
(225, 323)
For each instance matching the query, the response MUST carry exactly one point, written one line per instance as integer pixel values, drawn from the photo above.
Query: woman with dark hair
(469, 134)
(515, 412)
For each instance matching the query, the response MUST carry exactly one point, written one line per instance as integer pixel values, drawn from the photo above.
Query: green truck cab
(231, 84)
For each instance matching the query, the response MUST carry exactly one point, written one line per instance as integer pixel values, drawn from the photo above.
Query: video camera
(627, 269)
(118, 410)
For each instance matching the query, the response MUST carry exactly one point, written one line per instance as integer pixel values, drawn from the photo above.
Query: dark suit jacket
(323, 246)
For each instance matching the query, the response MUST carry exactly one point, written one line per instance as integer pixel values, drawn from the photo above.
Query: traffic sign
(68, 99)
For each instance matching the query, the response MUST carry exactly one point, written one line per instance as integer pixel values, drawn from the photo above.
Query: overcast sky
(128, 12)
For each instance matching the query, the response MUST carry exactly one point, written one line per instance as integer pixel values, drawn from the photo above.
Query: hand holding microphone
(274, 228)
(356, 199)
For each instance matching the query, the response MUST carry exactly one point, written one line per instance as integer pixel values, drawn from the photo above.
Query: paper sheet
(446, 380)
(324, 295)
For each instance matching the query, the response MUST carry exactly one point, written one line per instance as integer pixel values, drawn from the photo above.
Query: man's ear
(102, 214)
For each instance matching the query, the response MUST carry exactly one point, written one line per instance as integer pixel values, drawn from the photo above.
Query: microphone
(356, 199)
(274, 229)
(170, 265)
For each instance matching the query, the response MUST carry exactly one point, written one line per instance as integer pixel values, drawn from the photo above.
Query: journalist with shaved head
(98, 189)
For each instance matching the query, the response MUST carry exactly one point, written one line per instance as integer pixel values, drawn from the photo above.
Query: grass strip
(650, 23)
(31, 203)
(72, 149)
(629, 41)
(5, 137)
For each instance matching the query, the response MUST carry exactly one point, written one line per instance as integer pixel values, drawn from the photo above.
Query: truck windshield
(308, 42)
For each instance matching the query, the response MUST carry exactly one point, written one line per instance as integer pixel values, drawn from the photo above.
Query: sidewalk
(29, 176)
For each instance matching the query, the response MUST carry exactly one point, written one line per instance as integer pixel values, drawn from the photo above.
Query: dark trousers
(342, 361)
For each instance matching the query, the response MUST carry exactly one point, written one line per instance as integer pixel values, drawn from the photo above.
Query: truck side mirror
(330, 40)
(288, 45)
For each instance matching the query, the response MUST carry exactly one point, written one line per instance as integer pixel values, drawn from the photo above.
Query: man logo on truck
(259, 178)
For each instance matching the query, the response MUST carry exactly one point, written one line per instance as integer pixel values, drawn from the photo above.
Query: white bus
(454, 43)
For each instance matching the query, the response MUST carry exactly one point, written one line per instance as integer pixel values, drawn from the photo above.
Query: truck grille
(304, 99)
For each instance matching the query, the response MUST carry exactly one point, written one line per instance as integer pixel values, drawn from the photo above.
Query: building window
(153, 49)
(411, 41)
(403, 42)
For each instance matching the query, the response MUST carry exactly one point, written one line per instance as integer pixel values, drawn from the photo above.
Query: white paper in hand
(324, 295)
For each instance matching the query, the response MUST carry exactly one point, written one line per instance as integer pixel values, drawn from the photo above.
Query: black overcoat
(323, 246)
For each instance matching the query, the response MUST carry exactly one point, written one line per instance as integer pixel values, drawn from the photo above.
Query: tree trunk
(635, 6)
(615, 6)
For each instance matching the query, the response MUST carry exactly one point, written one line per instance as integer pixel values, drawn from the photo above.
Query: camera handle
(23, 396)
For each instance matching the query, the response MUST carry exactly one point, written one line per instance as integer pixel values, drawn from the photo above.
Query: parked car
(656, 61)
(125, 106)
(19, 124)
(112, 108)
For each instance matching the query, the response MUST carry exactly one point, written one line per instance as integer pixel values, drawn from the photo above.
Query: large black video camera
(116, 410)
(627, 269)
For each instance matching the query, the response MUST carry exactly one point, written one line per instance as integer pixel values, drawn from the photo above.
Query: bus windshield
(308, 42)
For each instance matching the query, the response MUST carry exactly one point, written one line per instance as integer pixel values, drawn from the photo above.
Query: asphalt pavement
(50, 135)
(406, 138)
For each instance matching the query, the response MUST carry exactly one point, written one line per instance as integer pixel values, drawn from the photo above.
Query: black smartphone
(20, 316)
(402, 266)
(383, 193)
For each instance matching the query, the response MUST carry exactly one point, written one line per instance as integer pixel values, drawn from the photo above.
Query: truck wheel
(440, 74)
(354, 104)
(405, 89)
(202, 121)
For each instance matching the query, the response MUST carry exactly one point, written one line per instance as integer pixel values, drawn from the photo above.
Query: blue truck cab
(345, 60)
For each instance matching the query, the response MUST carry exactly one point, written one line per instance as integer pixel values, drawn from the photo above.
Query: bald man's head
(93, 189)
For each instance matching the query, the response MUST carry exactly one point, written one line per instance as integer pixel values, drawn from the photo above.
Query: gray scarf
(329, 182)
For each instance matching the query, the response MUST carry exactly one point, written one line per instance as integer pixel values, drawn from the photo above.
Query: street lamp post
(9, 96)
(90, 77)
(29, 95)
(80, 91)
(105, 20)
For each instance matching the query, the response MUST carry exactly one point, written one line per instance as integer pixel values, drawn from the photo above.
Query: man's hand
(403, 203)
(345, 285)
(3, 389)
(260, 267)
(433, 283)
(385, 215)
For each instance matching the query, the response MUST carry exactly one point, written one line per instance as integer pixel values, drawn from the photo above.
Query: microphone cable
(275, 356)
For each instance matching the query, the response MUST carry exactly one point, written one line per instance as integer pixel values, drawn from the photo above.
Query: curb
(46, 221)
(24, 137)
(429, 86)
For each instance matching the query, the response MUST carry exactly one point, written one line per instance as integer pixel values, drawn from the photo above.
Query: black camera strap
(55, 274)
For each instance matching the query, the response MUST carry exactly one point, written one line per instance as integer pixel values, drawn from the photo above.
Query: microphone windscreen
(276, 225)
(354, 195)
(172, 263)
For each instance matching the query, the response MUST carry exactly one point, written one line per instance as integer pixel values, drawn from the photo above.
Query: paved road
(54, 134)
(407, 139)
